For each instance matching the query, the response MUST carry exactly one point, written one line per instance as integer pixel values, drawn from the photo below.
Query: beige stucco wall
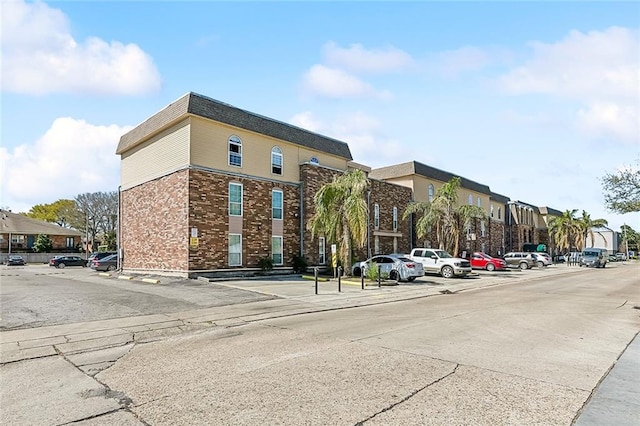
(162, 154)
(209, 148)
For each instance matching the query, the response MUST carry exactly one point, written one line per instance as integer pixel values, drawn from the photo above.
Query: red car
(481, 260)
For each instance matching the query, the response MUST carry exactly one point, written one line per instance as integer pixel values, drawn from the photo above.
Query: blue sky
(537, 100)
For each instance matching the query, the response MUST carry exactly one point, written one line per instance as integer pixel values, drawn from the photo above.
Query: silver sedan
(394, 267)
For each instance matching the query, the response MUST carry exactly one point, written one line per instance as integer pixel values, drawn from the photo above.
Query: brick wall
(154, 231)
(388, 196)
(208, 212)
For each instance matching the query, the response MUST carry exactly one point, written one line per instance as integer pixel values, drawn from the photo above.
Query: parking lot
(39, 295)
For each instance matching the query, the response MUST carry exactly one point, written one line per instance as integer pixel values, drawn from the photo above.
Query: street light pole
(86, 231)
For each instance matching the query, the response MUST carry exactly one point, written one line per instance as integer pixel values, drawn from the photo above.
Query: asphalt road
(517, 352)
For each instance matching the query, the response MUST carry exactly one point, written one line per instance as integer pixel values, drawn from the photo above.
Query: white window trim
(322, 251)
(395, 218)
(229, 253)
(376, 216)
(232, 141)
(281, 204)
(277, 152)
(241, 199)
(273, 253)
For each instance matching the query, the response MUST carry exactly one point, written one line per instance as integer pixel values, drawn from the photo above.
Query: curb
(124, 277)
(151, 280)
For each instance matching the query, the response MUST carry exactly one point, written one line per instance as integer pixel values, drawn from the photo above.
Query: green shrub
(372, 273)
(265, 263)
(299, 264)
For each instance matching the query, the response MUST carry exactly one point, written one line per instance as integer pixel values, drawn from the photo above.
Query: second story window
(470, 199)
(235, 151)
(491, 210)
(499, 210)
(235, 199)
(276, 204)
(276, 161)
(395, 218)
(431, 192)
(479, 202)
(376, 216)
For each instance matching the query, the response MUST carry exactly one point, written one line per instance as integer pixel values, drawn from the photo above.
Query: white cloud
(321, 80)
(71, 158)
(453, 62)
(356, 58)
(598, 69)
(40, 56)
(367, 141)
(581, 66)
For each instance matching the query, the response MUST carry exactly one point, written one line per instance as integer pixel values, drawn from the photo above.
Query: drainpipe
(301, 219)
(118, 232)
(368, 224)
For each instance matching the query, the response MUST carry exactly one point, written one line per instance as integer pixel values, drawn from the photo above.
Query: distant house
(19, 233)
(603, 237)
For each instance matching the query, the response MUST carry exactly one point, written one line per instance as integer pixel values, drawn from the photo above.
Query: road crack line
(408, 397)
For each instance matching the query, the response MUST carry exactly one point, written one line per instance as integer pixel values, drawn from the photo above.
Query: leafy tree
(96, 213)
(631, 236)
(43, 244)
(59, 212)
(341, 213)
(444, 213)
(109, 240)
(622, 190)
(585, 227)
(563, 230)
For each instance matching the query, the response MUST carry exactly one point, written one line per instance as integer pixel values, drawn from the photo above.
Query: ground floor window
(376, 245)
(276, 250)
(235, 250)
(322, 250)
(69, 242)
(17, 239)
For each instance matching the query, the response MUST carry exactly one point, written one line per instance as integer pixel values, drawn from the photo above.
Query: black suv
(98, 255)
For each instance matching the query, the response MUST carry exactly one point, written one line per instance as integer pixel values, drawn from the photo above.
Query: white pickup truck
(440, 262)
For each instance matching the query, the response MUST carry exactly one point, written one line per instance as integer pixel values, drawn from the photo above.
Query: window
(431, 191)
(235, 199)
(395, 244)
(376, 216)
(479, 202)
(276, 250)
(69, 242)
(499, 209)
(235, 250)
(483, 229)
(276, 204)
(235, 151)
(17, 239)
(376, 245)
(395, 218)
(470, 199)
(276, 160)
(491, 210)
(322, 258)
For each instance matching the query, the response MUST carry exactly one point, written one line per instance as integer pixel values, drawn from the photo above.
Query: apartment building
(208, 187)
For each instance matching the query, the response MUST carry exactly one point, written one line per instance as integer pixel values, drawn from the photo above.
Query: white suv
(542, 259)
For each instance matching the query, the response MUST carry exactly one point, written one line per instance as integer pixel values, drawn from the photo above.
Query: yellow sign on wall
(193, 242)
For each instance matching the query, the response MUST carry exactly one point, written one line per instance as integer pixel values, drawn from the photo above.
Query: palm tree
(585, 227)
(341, 213)
(445, 214)
(563, 229)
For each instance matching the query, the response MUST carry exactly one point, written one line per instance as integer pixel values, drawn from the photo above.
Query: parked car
(542, 259)
(522, 260)
(594, 258)
(396, 267)
(16, 260)
(480, 260)
(64, 261)
(98, 255)
(440, 262)
(621, 256)
(108, 263)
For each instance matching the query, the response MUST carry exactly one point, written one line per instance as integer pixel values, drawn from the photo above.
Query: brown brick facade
(154, 230)
(208, 212)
